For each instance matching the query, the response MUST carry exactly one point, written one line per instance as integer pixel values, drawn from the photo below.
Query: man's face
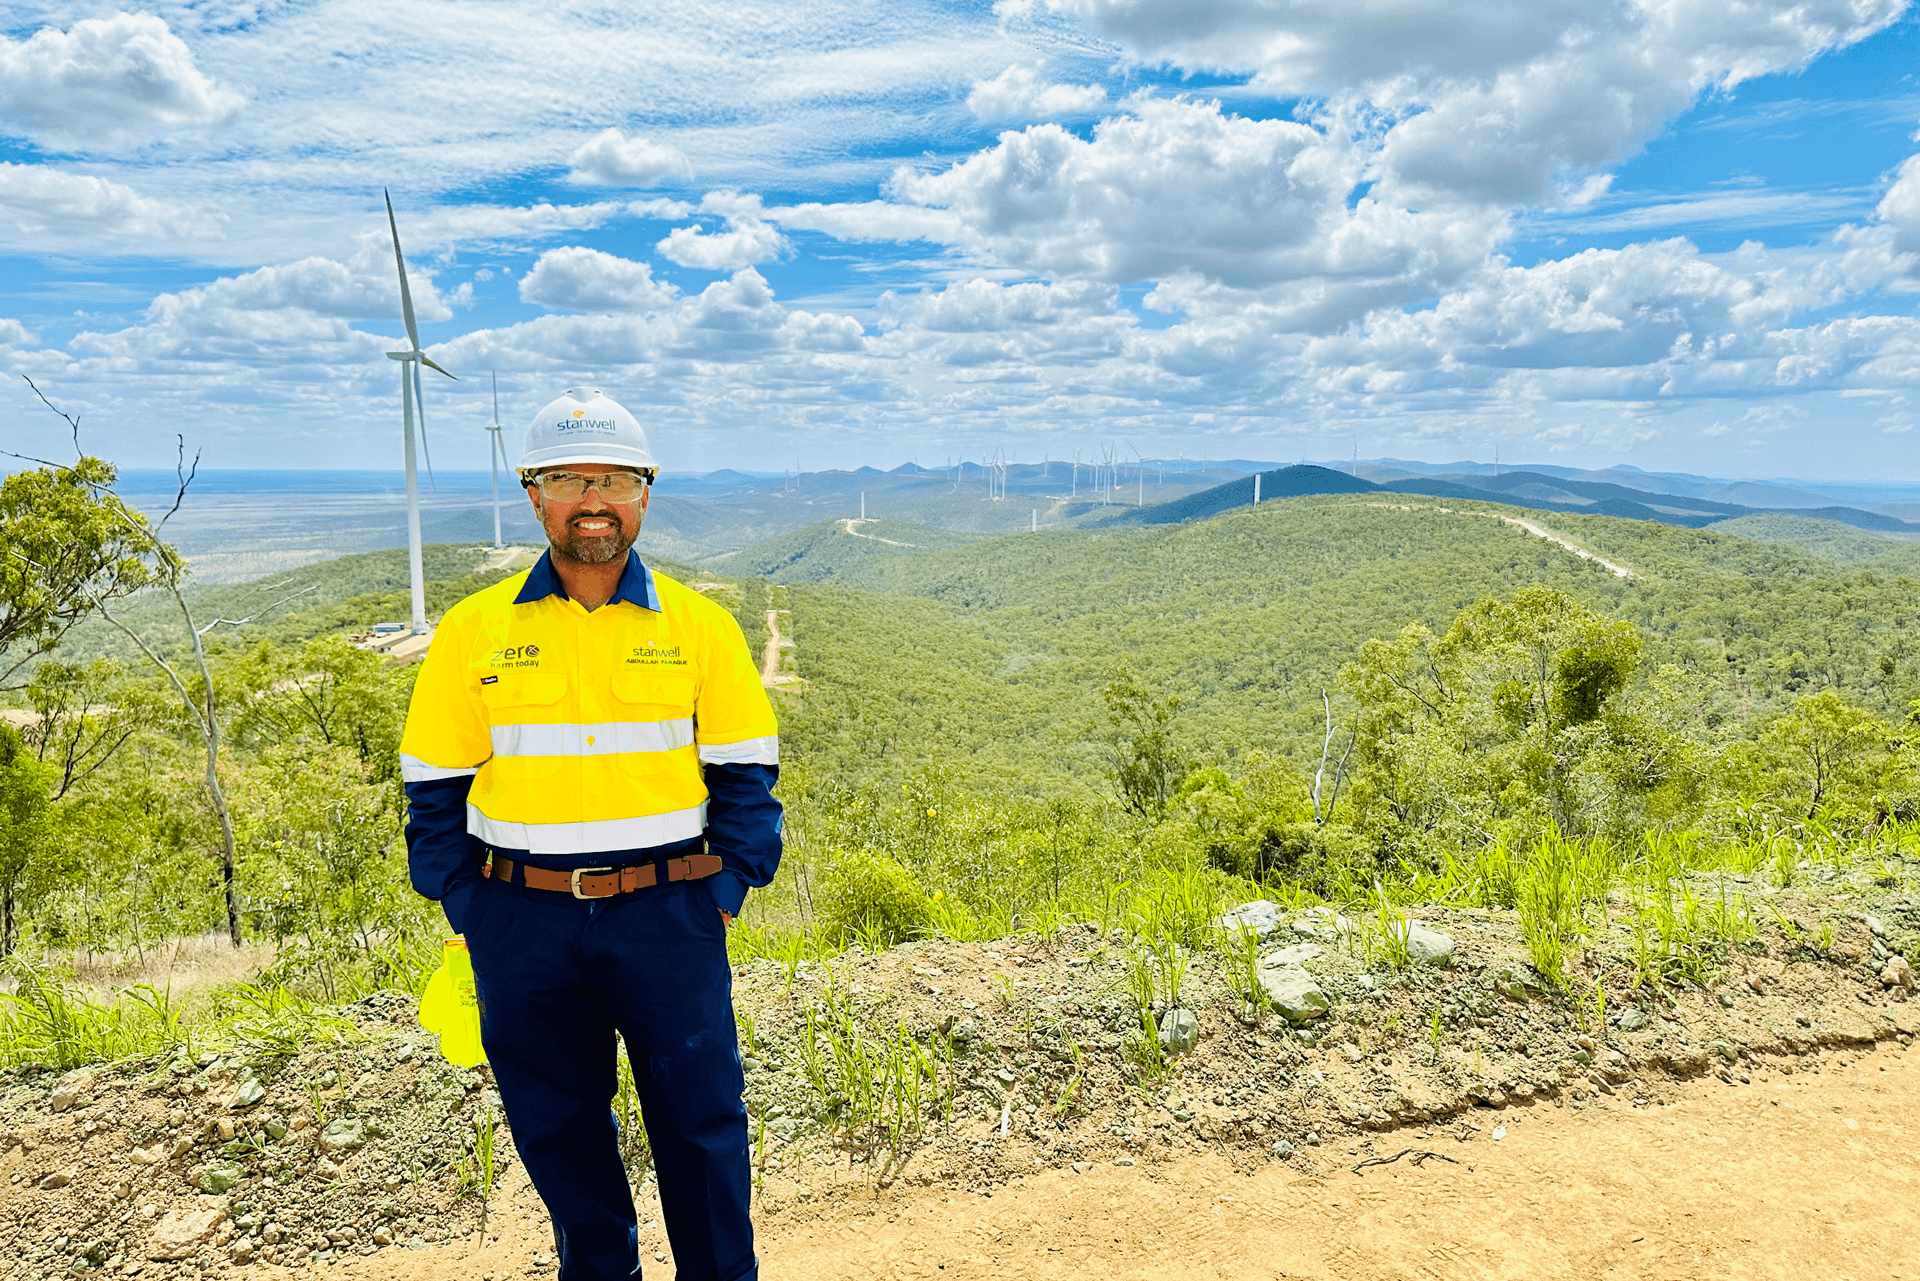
(589, 530)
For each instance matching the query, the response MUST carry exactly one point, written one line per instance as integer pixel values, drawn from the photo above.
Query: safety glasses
(571, 486)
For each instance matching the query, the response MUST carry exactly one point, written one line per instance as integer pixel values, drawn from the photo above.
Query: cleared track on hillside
(1526, 526)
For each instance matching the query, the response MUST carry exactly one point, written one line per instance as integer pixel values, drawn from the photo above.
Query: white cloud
(69, 207)
(105, 82)
(871, 220)
(729, 322)
(1018, 93)
(1900, 207)
(366, 289)
(1183, 193)
(14, 335)
(613, 159)
(747, 240)
(1492, 101)
(578, 279)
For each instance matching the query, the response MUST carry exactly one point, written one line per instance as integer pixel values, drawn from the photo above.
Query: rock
(382, 1237)
(249, 1093)
(1294, 993)
(67, 1094)
(1633, 1020)
(1283, 1149)
(1425, 946)
(276, 1129)
(1297, 956)
(58, 1179)
(1260, 916)
(1322, 922)
(147, 1156)
(966, 1032)
(1875, 925)
(1725, 1050)
(1898, 973)
(220, 1177)
(182, 1232)
(344, 1135)
(1179, 1029)
(1726, 999)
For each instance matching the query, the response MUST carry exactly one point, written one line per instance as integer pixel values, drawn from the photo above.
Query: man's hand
(726, 917)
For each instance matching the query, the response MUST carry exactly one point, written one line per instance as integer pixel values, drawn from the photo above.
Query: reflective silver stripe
(592, 837)
(415, 770)
(748, 751)
(607, 738)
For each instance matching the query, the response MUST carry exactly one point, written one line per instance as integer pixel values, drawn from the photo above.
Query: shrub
(869, 898)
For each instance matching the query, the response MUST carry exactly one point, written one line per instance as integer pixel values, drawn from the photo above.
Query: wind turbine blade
(429, 364)
(496, 396)
(420, 408)
(406, 294)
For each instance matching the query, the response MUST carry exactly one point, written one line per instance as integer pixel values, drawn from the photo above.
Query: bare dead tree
(1340, 772)
(201, 703)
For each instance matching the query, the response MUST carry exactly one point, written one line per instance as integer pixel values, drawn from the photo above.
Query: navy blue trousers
(557, 977)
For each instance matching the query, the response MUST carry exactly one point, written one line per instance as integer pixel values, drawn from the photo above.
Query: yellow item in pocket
(450, 1007)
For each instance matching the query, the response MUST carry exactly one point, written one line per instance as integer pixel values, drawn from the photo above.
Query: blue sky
(1685, 237)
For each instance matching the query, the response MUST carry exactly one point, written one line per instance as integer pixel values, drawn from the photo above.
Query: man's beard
(582, 550)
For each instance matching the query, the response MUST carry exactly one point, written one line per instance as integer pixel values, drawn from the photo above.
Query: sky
(1681, 235)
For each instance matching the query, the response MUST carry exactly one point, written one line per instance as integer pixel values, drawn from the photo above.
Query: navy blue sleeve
(442, 862)
(743, 828)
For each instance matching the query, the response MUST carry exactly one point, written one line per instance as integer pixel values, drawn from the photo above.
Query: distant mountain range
(1529, 488)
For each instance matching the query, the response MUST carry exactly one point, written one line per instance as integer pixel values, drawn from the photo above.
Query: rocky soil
(251, 1159)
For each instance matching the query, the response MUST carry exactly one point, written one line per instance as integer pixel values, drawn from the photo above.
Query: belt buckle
(587, 871)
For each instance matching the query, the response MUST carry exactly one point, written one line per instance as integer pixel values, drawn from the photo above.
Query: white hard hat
(585, 426)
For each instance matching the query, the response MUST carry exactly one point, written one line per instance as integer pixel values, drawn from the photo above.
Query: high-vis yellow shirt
(575, 736)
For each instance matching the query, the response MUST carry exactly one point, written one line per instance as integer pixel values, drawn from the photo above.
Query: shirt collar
(636, 583)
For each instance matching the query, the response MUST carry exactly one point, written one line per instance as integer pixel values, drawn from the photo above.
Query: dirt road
(1810, 1175)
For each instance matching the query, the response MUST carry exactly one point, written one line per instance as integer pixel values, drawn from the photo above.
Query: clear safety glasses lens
(615, 487)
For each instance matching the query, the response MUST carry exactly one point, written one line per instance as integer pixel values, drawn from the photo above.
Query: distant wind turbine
(410, 362)
(496, 455)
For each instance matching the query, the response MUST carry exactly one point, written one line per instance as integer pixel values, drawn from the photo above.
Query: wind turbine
(410, 362)
(496, 454)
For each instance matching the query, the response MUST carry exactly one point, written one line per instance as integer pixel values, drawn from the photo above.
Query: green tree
(328, 690)
(1829, 756)
(86, 713)
(67, 545)
(1147, 761)
(1500, 722)
(25, 819)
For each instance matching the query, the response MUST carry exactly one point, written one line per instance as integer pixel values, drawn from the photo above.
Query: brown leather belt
(604, 882)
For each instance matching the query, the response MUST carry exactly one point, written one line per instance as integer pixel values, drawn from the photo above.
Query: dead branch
(1419, 1156)
(72, 422)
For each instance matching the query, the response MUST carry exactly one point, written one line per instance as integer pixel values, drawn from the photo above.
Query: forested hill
(1517, 488)
(993, 655)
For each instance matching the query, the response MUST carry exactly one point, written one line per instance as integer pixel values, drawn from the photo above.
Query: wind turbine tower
(496, 455)
(410, 362)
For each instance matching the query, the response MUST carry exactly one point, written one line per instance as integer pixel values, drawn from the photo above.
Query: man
(589, 761)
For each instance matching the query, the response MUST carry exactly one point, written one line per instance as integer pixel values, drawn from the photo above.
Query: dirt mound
(939, 1074)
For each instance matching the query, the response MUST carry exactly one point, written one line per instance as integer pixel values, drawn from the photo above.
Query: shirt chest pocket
(655, 707)
(530, 740)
